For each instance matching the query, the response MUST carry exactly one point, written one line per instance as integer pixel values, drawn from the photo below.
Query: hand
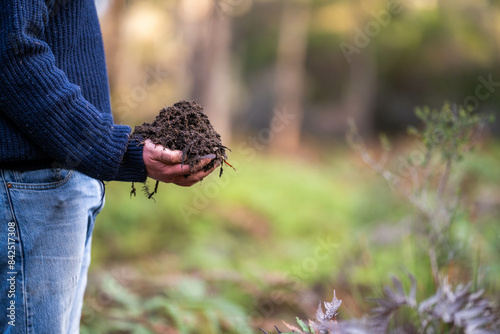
(166, 166)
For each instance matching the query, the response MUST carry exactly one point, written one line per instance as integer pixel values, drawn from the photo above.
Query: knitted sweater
(54, 95)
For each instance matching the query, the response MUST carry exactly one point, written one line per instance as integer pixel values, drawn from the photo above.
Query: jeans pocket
(40, 179)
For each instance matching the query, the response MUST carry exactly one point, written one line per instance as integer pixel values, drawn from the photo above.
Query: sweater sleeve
(51, 111)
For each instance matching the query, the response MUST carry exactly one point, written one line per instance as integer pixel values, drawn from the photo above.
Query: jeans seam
(97, 210)
(21, 252)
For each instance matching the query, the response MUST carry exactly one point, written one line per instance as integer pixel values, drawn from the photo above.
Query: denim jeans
(46, 222)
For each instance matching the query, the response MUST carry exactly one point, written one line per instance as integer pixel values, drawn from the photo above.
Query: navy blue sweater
(54, 95)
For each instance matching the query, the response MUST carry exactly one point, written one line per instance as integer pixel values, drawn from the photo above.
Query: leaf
(293, 328)
(302, 325)
(320, 316)
(412, 297)
(427, 304)
(332, 308)
(312, 326)
(461, 317)
(399, 286)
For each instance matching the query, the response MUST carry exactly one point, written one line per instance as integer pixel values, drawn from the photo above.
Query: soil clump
(184, 127)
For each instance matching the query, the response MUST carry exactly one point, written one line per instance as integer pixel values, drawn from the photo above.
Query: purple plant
(449, 310)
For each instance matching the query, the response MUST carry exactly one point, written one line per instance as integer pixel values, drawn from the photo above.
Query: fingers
(191, 179)
(167, 166)
(162, 154)
(208, 156)
(183, 169)
(205, 160)
(169, 157)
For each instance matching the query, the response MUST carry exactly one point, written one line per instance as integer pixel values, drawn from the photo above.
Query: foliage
(458, 311)
(450, 133)
(424, 175)
(230, 243)
(186, 309)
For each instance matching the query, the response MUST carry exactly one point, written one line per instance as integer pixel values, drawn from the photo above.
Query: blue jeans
(46, 222)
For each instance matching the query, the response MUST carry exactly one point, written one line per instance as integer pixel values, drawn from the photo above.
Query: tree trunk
(111, 24)
(207, 73)
(218, 89)
(290, 75)
(359, 98)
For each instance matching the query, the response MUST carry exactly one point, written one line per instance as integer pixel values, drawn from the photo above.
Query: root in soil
(183, 127)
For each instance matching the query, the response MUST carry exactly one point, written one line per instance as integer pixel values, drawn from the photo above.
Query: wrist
(132, 168)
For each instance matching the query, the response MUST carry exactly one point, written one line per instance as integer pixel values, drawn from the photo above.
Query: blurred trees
(325, 61)
(290, 72)
(207, 62)
(111, 27)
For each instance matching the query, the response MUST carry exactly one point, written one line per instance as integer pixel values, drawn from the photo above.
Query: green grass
(247, 231)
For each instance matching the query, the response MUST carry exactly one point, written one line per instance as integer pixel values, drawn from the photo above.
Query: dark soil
(184, 127)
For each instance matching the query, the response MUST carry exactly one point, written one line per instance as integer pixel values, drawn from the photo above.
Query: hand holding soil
(180, 146)
(166, 166)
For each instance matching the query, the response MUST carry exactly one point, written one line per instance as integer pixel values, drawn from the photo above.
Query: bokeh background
(281, 80)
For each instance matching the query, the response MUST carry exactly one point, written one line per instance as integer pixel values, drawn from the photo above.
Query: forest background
(281, 81)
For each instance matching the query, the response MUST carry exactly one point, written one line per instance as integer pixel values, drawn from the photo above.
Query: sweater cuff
(132, 168)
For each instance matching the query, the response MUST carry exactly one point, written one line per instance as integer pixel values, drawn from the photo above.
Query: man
(58, 143)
